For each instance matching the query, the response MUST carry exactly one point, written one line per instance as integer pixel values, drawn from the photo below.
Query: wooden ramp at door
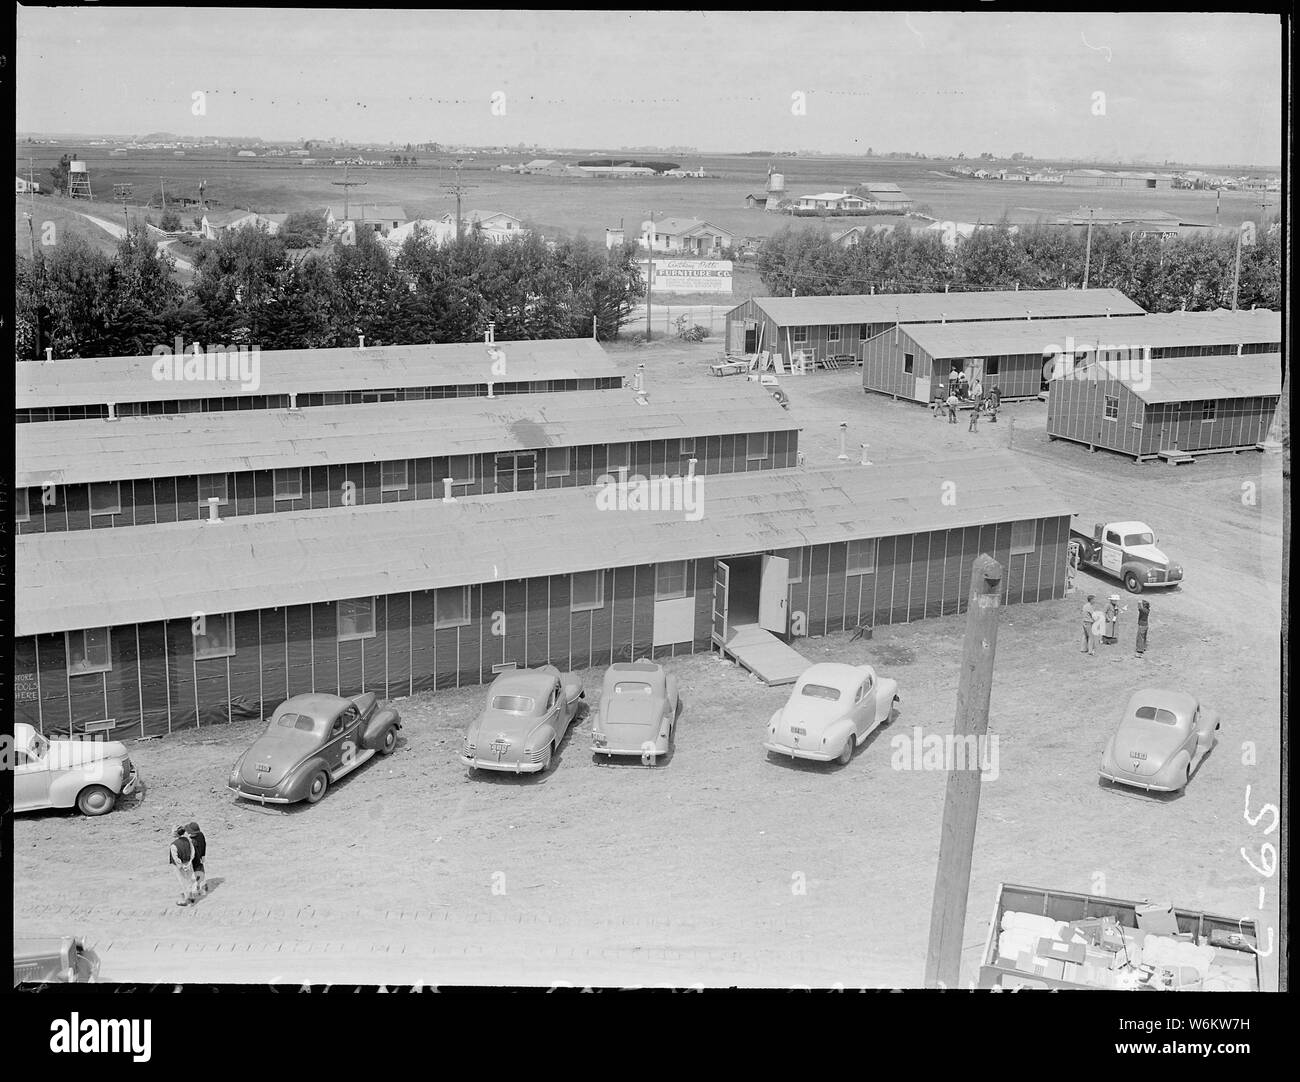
(766, 656)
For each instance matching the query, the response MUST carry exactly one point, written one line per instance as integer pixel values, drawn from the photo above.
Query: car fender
(373, 736)
(1212, 721)
(836, 733)
(1176, 769)
(540, 737)
(670, 686)
(886, 693)
(68, 784)
(295, 784)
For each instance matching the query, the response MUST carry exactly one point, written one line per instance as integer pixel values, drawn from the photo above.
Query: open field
(587, 207)
(689, 872)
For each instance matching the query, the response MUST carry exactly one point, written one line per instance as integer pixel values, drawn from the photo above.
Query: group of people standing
(961, 390)
(1103, 624)
(186, 854)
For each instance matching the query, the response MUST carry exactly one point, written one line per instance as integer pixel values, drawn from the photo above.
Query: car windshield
(513, 704)
(632, 687)
(1154, 713)
(297, 721)
(821, 691)
(1134, 539)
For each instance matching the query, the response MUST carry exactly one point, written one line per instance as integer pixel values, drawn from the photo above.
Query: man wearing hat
(200, 844)
(1144, 618)
(1090, 628)
(180, 854)
(1110, 635)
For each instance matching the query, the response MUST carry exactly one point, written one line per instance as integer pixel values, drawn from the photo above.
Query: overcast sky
(1189, 87)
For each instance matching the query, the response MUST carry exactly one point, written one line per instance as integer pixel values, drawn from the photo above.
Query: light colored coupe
(1161, 741)
(527, 713)
(638, 711)
(86, 774)
(832, 709)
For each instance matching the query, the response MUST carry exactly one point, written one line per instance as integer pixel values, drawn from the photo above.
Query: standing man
(1144, 618)
(953, 402)
(181, 856)
(200, 844)
(963, 388)
(1111, 621)
(977, 390)
(1089, 626)
(996, 393)
(952, 381)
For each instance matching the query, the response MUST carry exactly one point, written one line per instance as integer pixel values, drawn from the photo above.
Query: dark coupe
(313, 740)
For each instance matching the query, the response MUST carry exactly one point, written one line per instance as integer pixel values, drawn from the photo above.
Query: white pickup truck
(1126, 551)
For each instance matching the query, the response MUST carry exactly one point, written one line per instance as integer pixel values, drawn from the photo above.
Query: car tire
(96, 800)
(389, 744)
(1132, 583)
(317, 787)
(847, 754)
(1188, 779)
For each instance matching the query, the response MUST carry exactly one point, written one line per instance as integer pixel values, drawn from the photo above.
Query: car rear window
(1154, 713)
(513, 704)
(632, 687)
(821, 691)
(297, 721)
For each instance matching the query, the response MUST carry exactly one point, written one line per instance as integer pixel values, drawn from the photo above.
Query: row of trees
(249, 289)
(1192, 272)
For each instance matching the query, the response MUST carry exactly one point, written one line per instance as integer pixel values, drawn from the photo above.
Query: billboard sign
(690, 275)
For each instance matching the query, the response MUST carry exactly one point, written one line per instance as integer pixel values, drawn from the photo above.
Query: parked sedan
(832, 709)
(1162, 739)
(89, 775)
(638, 711)
(526, 715)
(312, 741)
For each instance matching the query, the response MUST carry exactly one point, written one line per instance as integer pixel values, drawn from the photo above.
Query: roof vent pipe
(213, 503)
(49, 355)
(489, 386)
(361, 341)
(112, 413)
(293, 401)
(865, 461)
(690, 466)
(447, 497)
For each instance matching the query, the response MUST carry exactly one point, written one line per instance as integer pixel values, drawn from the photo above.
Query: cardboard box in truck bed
(1040, 938)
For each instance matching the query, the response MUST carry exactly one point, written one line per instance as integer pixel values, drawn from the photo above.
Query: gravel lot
(721, 866)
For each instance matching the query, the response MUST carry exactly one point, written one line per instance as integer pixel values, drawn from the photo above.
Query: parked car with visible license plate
(311, 742)
(1161, 740)
(525, 717)
(832, 709)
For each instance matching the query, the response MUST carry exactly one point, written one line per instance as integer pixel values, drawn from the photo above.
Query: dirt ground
(721, 866)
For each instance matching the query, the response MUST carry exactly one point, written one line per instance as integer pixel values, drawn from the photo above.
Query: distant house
(439, 231)
(1047, 176)
(839, 202)
(539, 165)
(755, 202)
(378, 217)
(214, 223)
(23, 186)
(691, 236)
(981, 174)
(246, 154)
(848, 238)
(887, 198)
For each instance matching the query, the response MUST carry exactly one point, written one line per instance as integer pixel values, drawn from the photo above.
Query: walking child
(180, 854)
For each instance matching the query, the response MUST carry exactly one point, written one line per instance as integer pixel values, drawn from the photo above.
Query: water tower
(775, 188)
(79, 181)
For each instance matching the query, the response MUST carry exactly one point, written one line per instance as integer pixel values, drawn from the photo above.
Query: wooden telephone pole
(1087, 251)
(962, 800)
(458, 189)
(649, 270)
(346, 184)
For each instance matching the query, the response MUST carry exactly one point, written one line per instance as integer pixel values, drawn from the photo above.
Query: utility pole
(162, 187)
(962, 800)
(345, 184)
(1087, 252)
(649, 270)
(458, 189)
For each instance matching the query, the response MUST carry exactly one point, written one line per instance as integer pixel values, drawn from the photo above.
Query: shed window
(460, 468)
(288, 484)
(1112, 408)
(755, 446)
(586, 591)
(356, 618)
(392, 476)
(214, 636)
(909, 362)
(991, 366)
(21, 512)
(451, 607)
(799, 336)
(557, 462)
(106, 498)
(862, 557)
(618, 456)
(670, 580)
(1208, 411)
(88, 651)
(686, 446)
(833, 334)
(213, 484)
(795, 556)
(1023, 534)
